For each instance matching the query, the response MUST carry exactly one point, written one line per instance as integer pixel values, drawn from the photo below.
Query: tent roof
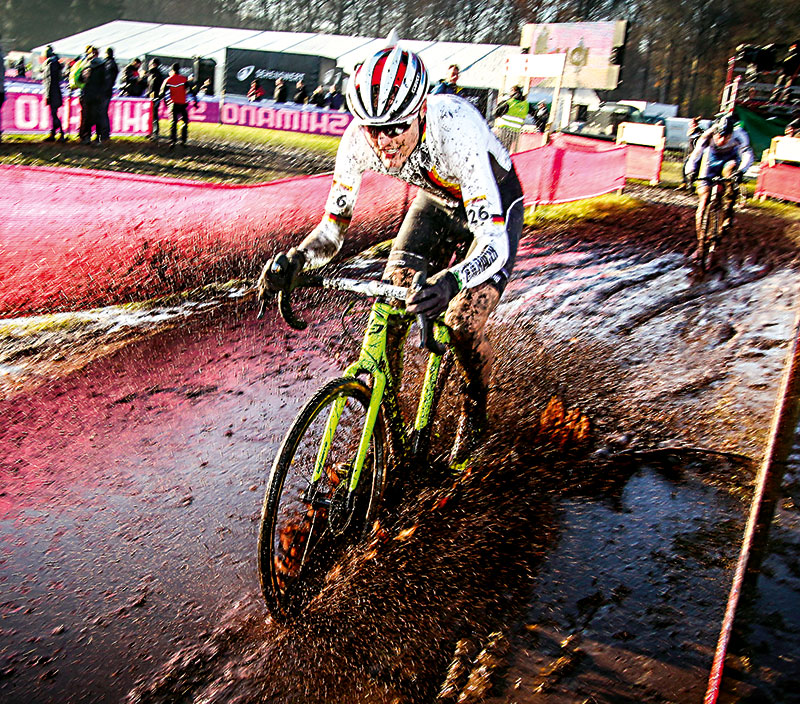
(482, 65)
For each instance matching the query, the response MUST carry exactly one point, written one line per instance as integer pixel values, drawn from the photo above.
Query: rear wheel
(305, 526)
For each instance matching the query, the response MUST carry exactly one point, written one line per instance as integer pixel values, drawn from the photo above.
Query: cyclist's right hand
(280, 273)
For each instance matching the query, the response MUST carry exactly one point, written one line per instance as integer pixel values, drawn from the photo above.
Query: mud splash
(427, 609)
(36, 348)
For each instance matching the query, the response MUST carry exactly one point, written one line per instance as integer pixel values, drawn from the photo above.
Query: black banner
(484, 99)
(243, 66)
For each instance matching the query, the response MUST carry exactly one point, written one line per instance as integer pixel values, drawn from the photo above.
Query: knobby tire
(711, 225)
(296, 526)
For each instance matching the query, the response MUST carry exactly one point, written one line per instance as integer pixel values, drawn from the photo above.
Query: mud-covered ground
(585, 557)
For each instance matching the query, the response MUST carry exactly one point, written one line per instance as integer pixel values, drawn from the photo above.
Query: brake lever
(426, 338)
(263, 300)
(285, 308)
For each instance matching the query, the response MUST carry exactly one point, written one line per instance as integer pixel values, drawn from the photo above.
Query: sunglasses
(394, 130)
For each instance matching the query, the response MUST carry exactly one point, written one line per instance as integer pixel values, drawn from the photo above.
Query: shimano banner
(243, 66)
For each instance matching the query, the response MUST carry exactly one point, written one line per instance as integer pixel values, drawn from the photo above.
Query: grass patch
(234, 134)
(671, 174)
(592, 209)
(215, 153)
(778, 208)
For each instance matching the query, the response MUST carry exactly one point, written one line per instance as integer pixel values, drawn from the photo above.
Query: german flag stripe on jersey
(339, 219)
(339, 184)
(472, 200)
(498, 220)
(452, 188)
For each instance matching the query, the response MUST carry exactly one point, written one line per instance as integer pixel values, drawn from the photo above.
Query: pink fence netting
(570, 168)
(73, 239)
(781, 181)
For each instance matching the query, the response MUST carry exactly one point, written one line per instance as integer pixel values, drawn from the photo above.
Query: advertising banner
(485, 99)
(243, 66)
(273, 117)
(27, 113)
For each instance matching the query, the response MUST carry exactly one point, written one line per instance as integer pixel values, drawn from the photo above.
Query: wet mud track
(585, 558)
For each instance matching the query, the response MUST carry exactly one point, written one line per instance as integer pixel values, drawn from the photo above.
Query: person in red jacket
(176, 91)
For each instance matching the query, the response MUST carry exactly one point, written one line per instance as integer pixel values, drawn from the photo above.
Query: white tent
(482, 65)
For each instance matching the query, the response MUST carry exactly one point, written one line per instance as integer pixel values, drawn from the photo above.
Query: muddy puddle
(566, 566)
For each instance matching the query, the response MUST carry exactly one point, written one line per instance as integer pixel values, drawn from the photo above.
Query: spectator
(176, 90)
(133, 83)
(334, 100)
(256, 92)
(281, 92)
(206, 88)
(540, 116)
(693, 133)
(155, 82)
(317, 98)
(92, 97)
(448, 85)
(2, 87)
(51, 87)
(77, 77)
(789, 70)
(510, 116)
(111, 73)
(21, 67)
(300, 93)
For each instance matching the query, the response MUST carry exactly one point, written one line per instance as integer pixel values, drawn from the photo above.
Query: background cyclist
(469, 196)
(722, 150)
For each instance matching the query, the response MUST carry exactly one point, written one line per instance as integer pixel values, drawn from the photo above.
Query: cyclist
(469, 196)
(723, 150)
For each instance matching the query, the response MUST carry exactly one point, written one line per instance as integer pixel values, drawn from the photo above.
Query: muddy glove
(434, 297)
(737, 177)
(280, 273)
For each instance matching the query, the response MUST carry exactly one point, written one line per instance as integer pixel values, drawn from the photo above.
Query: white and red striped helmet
(388, 87)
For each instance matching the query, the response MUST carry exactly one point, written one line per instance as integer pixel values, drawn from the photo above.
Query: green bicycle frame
(373, 361)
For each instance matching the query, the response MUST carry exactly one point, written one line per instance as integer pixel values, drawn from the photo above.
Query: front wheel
(710, 230)
(306, 524)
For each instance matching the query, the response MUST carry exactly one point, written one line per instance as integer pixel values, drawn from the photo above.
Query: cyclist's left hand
(737, 177)
(433, 298)
(280, 272)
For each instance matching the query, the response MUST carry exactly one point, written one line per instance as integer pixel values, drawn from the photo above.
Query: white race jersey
(737, 146)
(458, 160)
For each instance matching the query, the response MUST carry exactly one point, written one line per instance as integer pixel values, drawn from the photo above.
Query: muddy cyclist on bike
(723, 150)
(469, 203)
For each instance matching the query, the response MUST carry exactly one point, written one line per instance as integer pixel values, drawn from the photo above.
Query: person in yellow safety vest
(509, 117)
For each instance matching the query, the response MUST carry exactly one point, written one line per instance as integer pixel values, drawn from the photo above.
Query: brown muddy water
(561, 568)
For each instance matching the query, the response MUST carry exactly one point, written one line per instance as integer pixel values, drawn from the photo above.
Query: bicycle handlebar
(369, 288)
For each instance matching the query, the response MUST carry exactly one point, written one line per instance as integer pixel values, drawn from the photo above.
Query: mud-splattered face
(393, 146)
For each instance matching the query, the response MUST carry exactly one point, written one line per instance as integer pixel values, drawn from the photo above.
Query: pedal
(314, 498)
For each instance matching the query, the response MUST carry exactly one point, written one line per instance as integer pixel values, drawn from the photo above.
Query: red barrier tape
(73, 238)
